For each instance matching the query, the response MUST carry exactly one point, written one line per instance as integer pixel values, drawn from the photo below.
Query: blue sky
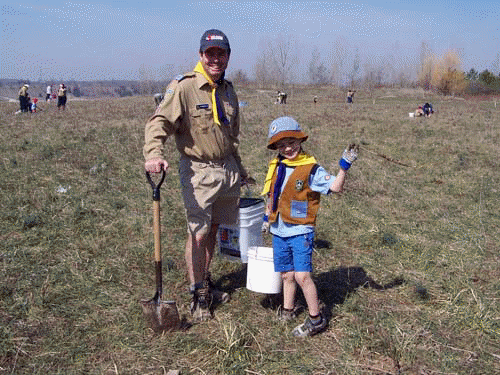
(103, 40)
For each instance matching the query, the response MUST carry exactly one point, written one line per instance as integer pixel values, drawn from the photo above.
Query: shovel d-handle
(156, 187)
(157, 232)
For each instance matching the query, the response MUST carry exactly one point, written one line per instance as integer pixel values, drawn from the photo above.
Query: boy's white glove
(349, 156)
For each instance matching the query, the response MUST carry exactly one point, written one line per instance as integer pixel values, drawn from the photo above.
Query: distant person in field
(34, 105)
(424, 110)
(158, 98)
(350, 95)
(48, 93)
(293, 185)
(62, 97)
(419, 111)
(200, 110)
(428, 111)
(23, 98)
(315, 99)
(281, 97)
(28, 104)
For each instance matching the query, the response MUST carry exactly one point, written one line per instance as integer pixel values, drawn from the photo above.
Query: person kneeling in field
(293, 186)
(428, 111)
(425, 110)
(419, 111)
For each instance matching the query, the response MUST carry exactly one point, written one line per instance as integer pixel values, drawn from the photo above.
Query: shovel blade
(161, 316)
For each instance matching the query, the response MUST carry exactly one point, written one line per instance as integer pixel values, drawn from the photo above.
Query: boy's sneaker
(201, 304)
(285, 315)
(308, 328)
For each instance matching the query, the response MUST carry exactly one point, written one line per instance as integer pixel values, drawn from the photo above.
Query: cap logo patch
(273, 129)
(214, 37)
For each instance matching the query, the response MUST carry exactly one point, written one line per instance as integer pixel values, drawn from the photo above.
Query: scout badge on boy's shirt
(302, 159)
(299, 185)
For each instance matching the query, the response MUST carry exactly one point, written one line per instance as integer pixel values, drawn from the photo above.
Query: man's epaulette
(180, 77)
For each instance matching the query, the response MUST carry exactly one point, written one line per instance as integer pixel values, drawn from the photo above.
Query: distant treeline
(484, 82)
(435, 75)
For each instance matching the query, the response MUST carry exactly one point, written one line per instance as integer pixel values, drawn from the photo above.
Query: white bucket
(411, 114)
(261, 277)
(234, 240)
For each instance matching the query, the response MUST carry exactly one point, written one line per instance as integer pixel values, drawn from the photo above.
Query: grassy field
(407, 261)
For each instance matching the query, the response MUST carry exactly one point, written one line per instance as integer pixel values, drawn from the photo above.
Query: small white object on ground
(61, 189)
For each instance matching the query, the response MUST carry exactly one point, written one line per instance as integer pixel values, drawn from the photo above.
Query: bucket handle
(257, 253)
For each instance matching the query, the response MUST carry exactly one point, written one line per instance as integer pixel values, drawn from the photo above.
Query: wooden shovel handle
(157, 239)
(157, 230)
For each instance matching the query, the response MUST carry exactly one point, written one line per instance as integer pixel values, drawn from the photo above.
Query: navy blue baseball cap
(214, 38)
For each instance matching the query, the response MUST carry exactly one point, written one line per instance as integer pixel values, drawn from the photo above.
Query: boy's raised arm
(349, 155)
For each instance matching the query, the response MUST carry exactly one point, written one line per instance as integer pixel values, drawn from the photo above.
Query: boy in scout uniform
(293, 186)
(200, 110)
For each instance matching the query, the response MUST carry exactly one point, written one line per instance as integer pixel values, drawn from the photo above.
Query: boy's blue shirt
(319, 182)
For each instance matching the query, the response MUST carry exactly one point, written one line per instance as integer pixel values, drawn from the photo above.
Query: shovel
(160, 315)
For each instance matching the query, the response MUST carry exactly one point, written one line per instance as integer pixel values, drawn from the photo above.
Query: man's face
(214, 61)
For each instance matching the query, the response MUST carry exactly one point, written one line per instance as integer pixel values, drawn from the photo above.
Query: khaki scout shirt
(61, 92)
(186, 113)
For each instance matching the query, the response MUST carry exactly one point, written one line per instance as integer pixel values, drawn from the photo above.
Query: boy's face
(289, 147)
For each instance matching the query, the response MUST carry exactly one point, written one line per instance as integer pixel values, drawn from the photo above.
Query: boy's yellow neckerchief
(199, 69)
(301, 159)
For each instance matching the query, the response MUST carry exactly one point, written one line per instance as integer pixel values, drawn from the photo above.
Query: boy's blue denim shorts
(293, 253)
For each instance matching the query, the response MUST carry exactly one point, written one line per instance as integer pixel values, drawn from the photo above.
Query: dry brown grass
(410, 275)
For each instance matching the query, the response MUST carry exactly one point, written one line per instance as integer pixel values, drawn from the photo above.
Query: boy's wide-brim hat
(284, 127)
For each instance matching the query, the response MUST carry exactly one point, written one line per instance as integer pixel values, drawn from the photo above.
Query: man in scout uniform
(200, 109)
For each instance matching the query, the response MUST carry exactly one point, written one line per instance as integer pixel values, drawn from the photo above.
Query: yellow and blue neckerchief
(301, 159)
(217, 110)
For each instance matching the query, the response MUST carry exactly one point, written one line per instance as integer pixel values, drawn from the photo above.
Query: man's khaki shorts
(211, 192)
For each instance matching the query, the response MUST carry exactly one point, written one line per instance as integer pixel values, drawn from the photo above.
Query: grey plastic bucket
(234, 240)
